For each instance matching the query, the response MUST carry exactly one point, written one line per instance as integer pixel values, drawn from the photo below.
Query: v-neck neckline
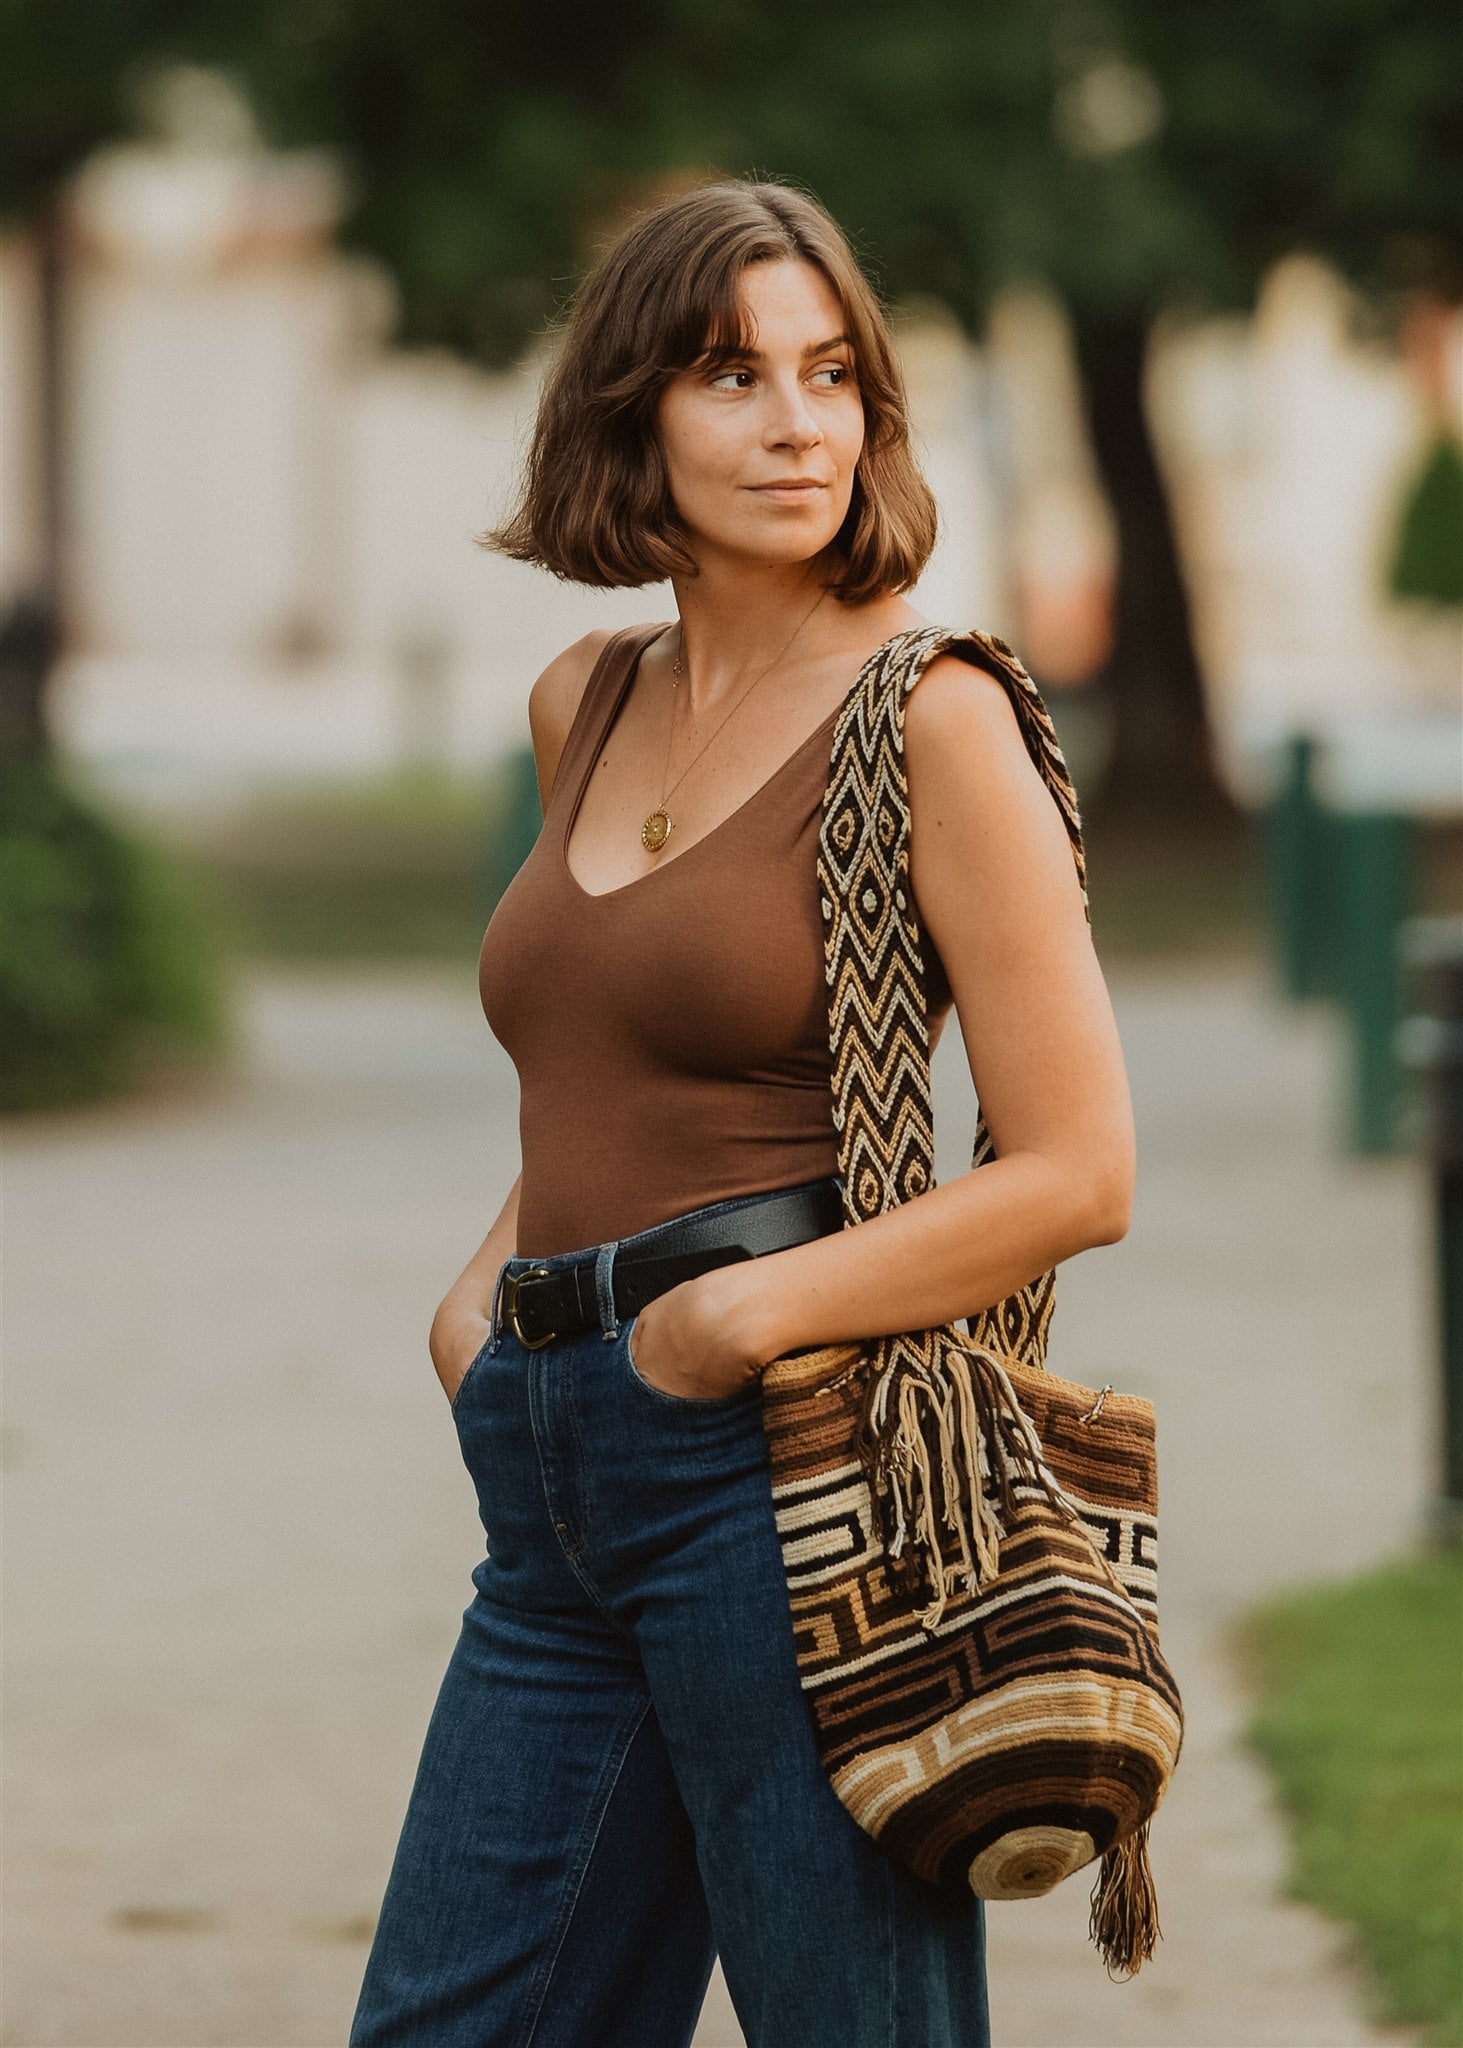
(632, 669)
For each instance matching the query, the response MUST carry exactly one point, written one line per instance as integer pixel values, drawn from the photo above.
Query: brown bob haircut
(596, 507)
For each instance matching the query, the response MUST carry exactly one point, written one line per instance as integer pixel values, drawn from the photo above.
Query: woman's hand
(460, 1326)
(693, 1341)
(454, 1344)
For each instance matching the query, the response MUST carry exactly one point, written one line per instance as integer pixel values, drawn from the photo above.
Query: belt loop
(604, 1289)
(495, 1332)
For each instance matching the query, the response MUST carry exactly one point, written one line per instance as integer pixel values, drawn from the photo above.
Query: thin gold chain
(677, 668)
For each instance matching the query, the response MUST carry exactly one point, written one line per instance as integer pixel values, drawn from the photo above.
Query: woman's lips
(789, 493)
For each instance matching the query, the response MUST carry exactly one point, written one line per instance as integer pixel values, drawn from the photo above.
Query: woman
(619, 1779)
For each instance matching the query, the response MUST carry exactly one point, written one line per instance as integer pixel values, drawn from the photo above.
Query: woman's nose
(792, 422)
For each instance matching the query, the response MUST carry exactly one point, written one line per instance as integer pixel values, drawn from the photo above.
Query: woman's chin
(789, 544)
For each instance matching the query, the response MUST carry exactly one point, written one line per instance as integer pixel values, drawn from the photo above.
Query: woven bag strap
(877, 1003)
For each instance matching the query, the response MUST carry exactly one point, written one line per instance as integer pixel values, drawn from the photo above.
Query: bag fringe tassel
(1124, 1918)
(945, 1443)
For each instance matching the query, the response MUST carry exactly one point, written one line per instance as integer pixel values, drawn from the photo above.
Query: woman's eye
(834, 376)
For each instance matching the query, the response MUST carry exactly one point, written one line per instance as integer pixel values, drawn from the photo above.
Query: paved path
(239, 1533)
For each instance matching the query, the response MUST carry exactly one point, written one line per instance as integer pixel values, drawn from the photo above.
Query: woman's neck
(738, 618)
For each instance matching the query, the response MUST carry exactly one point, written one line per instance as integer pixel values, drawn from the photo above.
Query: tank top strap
(595, 713)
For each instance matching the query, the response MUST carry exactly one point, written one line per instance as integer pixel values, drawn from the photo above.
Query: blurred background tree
(1427, 563)
(107, 947)
(1139, 159)
(67, 87)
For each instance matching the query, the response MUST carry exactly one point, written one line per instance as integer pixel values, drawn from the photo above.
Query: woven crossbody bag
(970, 1542)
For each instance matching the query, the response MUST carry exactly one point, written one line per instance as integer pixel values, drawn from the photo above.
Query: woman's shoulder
(970, 757)
(988, 826)
(960, 705)
(958, 689)
(556, 695)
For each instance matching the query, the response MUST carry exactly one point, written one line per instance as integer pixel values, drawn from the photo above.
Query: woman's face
(761, 450)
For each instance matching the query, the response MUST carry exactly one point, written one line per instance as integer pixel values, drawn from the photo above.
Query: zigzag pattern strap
(877, 1009)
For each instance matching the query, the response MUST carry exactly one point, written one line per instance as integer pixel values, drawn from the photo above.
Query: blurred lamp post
(1342, 834)
(1431, 1044)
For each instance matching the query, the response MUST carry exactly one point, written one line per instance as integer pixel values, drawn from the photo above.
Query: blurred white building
(1290, 447)
(272, 511)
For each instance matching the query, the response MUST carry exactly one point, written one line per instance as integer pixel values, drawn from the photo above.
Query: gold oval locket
(655, 831)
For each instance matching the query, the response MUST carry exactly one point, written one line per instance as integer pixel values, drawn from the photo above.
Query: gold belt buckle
(510, 1288)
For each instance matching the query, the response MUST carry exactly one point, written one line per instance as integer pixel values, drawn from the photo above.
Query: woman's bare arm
(460, 1326)
(553, 701)
(997, 893)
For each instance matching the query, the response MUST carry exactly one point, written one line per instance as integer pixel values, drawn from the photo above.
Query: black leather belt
(541, 1305)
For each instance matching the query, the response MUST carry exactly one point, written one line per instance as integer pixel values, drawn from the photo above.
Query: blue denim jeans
(619, 1780)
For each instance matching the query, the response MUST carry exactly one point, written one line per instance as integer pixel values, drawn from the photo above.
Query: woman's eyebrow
(826, 348)
(814, 348)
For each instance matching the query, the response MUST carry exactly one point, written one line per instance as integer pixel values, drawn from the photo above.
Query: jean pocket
(707, 1402)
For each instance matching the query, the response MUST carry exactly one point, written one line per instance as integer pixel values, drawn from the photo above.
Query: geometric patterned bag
(970, 1542)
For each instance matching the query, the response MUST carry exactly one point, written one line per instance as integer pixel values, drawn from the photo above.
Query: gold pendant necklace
(657, 827)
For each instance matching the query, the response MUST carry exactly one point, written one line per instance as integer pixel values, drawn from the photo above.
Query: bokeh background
(1179, 295)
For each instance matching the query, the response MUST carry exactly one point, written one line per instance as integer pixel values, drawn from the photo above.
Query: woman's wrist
(741, 1305)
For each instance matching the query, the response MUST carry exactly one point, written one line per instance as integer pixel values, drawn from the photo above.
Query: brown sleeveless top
(671, 1035)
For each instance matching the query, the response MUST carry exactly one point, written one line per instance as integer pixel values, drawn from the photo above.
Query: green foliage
(1360, 1717)
(404, 866)
(1134, 157)
(1428, 561)
(68, 80)
(107, 952)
